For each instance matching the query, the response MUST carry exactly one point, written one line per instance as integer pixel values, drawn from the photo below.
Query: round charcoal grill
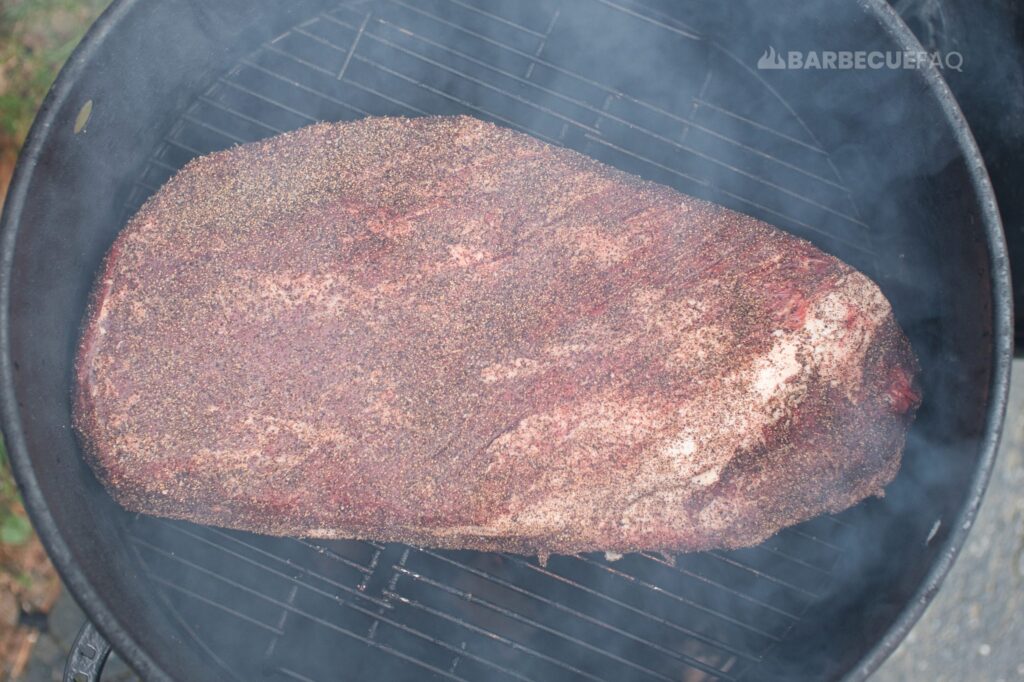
(874, 166)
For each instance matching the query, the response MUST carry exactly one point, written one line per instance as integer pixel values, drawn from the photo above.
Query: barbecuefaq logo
(771, 60)
(857, 59)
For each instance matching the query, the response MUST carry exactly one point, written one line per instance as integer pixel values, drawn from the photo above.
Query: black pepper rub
(450, 334)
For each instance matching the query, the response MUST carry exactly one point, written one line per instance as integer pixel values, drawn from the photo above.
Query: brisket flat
(446, 333)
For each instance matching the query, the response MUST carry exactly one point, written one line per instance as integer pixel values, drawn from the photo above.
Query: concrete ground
(972, 631)
(47, 664)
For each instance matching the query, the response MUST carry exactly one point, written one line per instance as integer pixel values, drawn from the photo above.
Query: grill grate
(288, 609)
(304, 609)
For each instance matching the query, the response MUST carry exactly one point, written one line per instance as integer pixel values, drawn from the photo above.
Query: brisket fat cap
(446, 333)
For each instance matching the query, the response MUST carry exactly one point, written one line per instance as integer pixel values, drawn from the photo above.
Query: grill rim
(1003, 341)
(49, 532)
(53, 537)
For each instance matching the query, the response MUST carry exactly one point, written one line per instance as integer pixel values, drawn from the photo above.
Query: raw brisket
(446, 333)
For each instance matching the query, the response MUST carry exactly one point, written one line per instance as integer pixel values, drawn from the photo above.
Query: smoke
(861, 162)
(990, 91)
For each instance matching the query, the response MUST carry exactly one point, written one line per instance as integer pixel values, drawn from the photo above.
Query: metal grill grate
(295, 610)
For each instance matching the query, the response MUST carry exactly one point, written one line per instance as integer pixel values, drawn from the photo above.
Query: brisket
(450, 334)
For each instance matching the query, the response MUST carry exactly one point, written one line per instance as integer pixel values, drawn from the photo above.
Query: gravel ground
(973, 631)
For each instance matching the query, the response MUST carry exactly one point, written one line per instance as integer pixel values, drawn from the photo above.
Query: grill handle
(88, 655)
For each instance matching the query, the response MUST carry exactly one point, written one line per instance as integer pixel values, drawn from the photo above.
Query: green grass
(14, 526)
(36, 37)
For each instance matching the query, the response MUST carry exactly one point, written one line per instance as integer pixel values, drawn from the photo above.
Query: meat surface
(446, 333)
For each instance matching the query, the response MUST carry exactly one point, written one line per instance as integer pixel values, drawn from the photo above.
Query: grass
(36, 38)
(15, 528)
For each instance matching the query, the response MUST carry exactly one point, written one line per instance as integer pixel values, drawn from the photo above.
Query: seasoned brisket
(446, 333)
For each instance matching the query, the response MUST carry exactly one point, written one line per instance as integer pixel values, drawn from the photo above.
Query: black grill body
(874, 166)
